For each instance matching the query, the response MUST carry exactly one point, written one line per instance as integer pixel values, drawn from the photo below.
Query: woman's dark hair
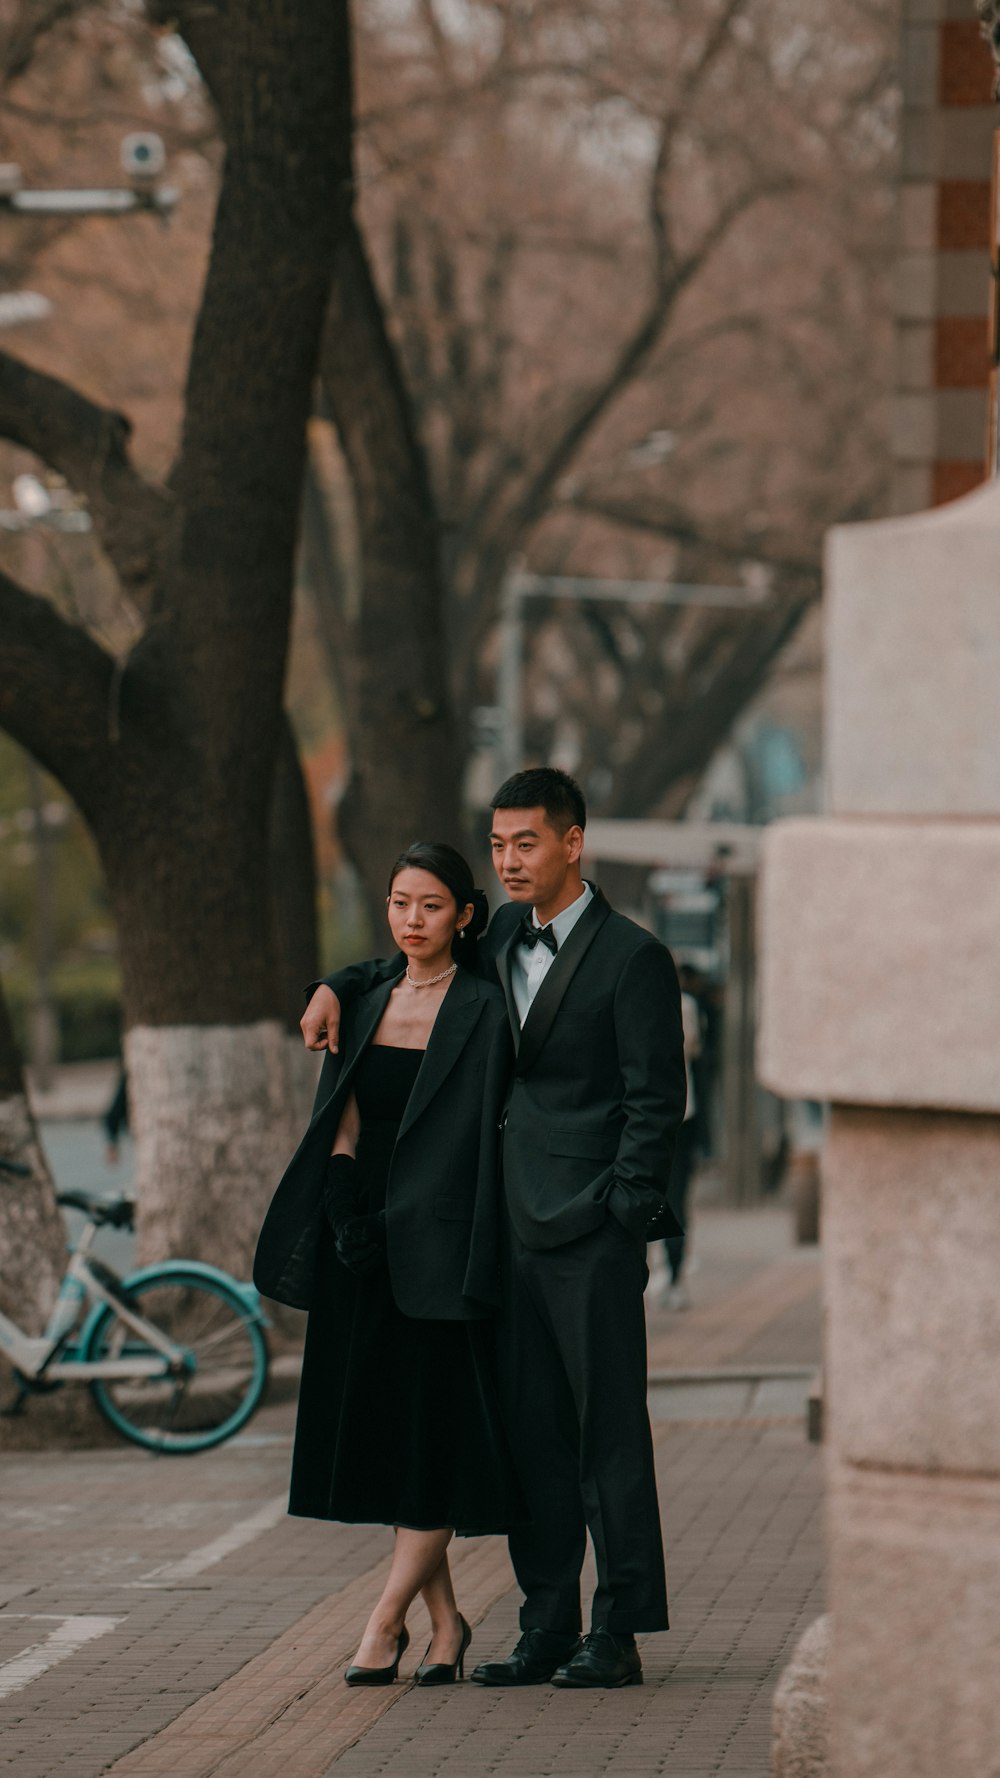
(545, 787)
(451, 869)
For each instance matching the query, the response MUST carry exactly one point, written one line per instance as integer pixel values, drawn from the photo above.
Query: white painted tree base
(32, 1238)
(216, 1114)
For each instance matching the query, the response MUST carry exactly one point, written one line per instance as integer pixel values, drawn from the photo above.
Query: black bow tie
(532, 935)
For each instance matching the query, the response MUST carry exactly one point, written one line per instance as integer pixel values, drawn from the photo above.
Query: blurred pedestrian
(674, 1293)
(115, 1119)
(384, 1227)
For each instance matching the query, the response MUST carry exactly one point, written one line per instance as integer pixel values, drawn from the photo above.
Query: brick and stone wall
(943, 267)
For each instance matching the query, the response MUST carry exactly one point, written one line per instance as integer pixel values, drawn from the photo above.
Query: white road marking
(243, 1532)
(70, 1634)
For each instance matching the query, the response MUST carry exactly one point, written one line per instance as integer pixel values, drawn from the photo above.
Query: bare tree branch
(669, 274)
(438, 39)
(29, 24)
(56, 692)
(680, 528)
(88, 444)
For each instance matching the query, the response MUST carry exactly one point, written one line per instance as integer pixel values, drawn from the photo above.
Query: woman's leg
(416, 1559)
(438, 1595)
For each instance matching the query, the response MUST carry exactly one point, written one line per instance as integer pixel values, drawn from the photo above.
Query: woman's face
(423, 917)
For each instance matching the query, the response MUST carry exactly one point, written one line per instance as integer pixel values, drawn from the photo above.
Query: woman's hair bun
(480, 915)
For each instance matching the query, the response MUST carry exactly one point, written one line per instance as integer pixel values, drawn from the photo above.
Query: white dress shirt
(529, 967)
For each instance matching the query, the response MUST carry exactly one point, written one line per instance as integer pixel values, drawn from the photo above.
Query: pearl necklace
(429, 983)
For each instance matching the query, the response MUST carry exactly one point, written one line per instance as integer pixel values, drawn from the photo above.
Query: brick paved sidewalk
(740, 1504)
(181, 1624)
(740, 1508)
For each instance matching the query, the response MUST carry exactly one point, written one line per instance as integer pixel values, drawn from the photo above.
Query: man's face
(531, 859)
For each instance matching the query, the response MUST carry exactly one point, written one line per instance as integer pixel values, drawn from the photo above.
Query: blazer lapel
(457, 1015)
(370, 1008)
(543, 1009)
(503, 962)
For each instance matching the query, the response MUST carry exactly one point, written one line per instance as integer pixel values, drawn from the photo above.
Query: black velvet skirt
(398, 1420)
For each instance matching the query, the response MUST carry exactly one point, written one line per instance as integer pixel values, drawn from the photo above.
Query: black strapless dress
(398, 1420)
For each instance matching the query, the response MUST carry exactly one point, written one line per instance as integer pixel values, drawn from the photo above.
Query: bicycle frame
(85, 1280)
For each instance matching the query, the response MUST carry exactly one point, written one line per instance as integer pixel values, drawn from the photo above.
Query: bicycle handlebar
(118, 1213)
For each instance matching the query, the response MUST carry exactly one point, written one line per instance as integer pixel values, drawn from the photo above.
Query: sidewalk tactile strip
(289, 1709)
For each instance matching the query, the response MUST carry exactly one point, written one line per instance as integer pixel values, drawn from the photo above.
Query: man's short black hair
(545, 787)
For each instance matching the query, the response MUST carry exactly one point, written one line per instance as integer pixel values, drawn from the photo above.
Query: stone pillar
(942, 262)
(880, 987)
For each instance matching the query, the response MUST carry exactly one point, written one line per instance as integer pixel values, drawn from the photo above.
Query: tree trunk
(171, 754)
(32, 1237)
(217, 1095)
(406, 761)
(215, 1124)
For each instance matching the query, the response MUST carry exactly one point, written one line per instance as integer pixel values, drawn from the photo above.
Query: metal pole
(509, 677)
(518, 587)
(739, 1087)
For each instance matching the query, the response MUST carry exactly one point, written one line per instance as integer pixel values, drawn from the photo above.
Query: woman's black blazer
(442, 1193)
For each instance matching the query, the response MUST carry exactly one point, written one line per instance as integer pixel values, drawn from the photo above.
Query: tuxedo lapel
(548, 1000)
(456, 1017)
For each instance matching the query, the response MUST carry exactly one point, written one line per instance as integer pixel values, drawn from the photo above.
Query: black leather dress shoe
(602, 1659)
(532, 1662)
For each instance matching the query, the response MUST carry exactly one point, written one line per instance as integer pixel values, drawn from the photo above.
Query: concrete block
(961, 425)
(910, 488)
(917, 217)
(911, 1261)
(964, 141)
(963, 282)
(913, 662)
(800, 1715)
(920, 145)
(915, 356)
(914, 427)
(915, 1594)
(880, 967)
(915, 286)
(919, 63)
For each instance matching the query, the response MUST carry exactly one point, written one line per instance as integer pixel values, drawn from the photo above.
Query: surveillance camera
(143, 156)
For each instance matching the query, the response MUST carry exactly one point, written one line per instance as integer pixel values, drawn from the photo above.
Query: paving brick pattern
(78, 1532)
(234, 1670)
(741, 1509)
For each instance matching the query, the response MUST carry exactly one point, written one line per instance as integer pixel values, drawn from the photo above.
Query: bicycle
(174, 1354)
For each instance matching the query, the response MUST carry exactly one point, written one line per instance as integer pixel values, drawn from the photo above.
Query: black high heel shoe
(380, 1675)
(445, 1672)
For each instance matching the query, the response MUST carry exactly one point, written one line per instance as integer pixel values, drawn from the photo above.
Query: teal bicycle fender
(248, 1293)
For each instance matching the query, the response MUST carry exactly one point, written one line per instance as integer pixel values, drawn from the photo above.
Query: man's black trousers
(572, 1349)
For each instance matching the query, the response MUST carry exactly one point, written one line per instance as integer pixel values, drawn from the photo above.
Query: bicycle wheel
(222, 1378)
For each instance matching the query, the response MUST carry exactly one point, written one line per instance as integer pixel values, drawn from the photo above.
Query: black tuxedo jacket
(441, 1198)
(598, 1087)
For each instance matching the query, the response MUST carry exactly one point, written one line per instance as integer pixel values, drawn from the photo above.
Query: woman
(385, 1227)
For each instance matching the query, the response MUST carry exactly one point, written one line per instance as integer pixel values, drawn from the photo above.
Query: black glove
(358, 1236)
(360, 1244)
(341, 1190)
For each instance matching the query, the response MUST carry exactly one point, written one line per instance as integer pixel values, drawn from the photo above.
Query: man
(596, 1098)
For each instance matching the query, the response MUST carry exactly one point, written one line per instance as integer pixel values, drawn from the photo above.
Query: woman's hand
(360, 1243)
(358, 1235)
(320, 1023)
